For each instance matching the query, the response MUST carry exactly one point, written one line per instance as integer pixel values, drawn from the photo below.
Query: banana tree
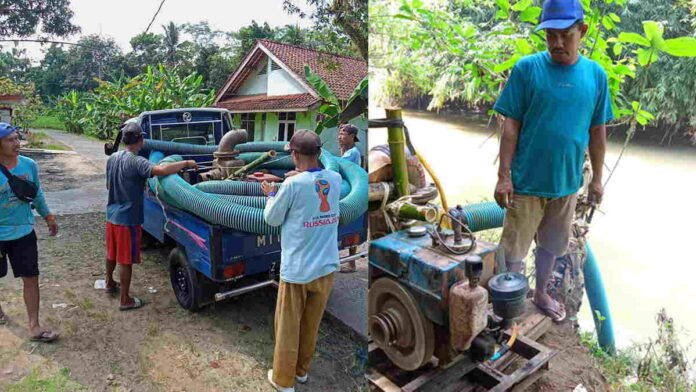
(333, 109)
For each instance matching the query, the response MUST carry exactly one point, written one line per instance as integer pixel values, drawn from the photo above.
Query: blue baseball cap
(6, 129)
(560, 14)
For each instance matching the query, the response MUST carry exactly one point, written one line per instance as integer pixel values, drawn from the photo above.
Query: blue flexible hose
(599, 303)
(484, 216)
(239, 205)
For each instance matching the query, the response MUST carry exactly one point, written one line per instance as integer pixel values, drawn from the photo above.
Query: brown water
(644, 241)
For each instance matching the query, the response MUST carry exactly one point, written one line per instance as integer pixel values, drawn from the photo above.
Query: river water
(645, 241)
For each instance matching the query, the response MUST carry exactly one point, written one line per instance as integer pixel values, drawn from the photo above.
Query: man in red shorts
(126, 173)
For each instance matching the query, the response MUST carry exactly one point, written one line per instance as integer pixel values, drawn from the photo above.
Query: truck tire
(185, 281)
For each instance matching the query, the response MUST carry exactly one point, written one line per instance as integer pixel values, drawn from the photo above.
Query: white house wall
(255, 83)
(281, 83)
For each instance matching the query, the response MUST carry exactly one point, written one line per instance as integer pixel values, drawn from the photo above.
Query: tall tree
(148, 49)
(349, 15)
(95, 57)
(20, 18)
(171, 42)
(14, 64)
(292, 34)
(247, 36)
(49, 75)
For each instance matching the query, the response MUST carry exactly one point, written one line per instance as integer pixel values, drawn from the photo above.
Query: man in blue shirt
(556, 105)
(347, 137)
(307, 209)
(18, 243)
(126, 173)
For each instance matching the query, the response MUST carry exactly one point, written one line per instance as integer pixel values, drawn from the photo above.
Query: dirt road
(161, 347)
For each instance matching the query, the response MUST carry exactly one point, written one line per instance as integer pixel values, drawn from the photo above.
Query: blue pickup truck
(209, 262)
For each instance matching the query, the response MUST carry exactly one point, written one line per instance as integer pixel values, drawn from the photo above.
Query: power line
(45, 42)
(155, 16)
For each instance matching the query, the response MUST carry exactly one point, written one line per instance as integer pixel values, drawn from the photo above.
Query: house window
(286, 126)
(247, 122)
(274, 66)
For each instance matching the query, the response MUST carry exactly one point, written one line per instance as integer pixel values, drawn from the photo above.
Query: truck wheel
(185, 281)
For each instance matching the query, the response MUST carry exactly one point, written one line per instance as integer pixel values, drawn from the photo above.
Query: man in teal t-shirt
(18, 242)
(347, 137)
(556, 105)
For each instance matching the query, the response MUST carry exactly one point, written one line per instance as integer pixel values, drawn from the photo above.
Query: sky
(124, 19)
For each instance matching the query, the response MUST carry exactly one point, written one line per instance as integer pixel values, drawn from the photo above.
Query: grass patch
(660, 365)
(34, 382)
(41, 140)
(49, 122)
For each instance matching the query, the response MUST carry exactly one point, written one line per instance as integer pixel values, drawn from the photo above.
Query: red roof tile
(266, 103)
(11, 97)
(341, 73)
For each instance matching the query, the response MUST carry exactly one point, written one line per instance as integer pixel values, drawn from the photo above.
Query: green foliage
(42, 141)
(13, 65)
(658, 365)
(332, 109)
(26, 112)
(46, 120)
(35, 382)
(347, 18)
(463, 51)
(188, 48)
(100, 112)
(21, 18)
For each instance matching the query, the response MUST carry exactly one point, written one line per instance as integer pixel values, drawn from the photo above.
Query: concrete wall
(270, 132)
(305, 120)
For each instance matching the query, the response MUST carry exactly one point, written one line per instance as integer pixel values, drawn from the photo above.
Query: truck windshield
(192, 133)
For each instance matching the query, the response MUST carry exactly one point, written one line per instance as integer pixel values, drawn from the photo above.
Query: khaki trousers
(549, 219)
(299, 310)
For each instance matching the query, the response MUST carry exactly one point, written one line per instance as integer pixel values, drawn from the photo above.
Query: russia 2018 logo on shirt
(322, 187)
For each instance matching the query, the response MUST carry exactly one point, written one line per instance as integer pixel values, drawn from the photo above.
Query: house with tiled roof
(269, 96)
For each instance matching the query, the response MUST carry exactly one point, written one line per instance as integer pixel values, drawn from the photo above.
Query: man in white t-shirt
(306, 208)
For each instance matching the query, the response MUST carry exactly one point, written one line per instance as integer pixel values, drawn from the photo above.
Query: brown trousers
(299, 310)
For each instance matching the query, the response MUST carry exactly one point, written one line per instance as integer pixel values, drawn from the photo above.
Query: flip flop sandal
(113, 290)
(557, 315)
(45, 337)
(137, 304)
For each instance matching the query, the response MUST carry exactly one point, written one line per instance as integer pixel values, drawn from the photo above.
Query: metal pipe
(353, 257)
(377, 190)
(242, 290)
(406, 210)
(395, 137)
(231, 139)
(263, 158)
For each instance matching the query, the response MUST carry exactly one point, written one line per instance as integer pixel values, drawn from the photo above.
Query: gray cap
(131, 133)
(350, 129)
